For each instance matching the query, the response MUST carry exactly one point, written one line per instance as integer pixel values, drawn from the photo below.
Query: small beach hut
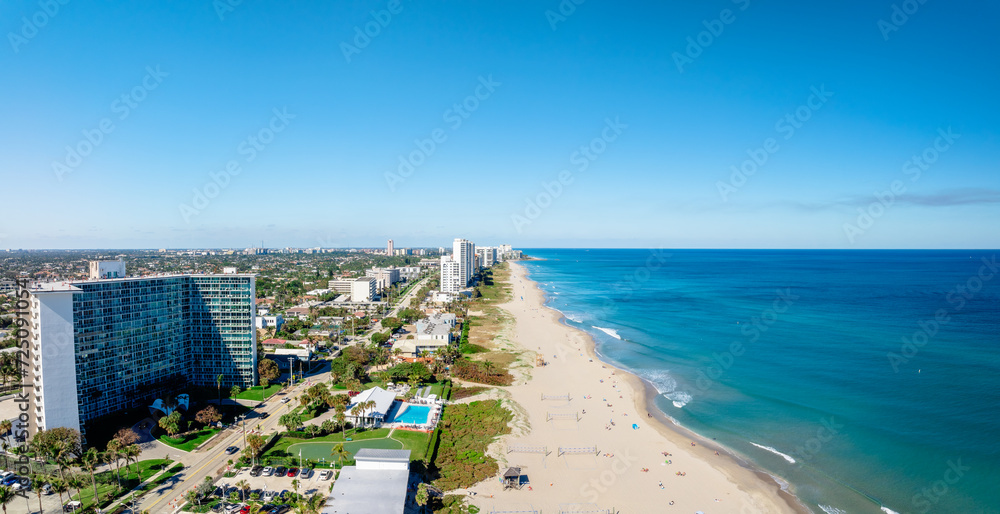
(512, 478)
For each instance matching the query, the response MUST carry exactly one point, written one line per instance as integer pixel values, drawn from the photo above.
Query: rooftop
(368, 491)
(379, 455)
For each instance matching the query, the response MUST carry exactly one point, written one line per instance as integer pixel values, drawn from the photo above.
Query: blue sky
(664, 121)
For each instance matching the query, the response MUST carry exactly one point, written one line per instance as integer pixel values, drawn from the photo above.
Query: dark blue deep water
(866, 379)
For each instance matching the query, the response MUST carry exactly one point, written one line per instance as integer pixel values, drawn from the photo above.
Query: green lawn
(190, 441)
(280, 448)
(321, 451)
(416, 442)
(147, 468)
(175, 469)
(254, 392)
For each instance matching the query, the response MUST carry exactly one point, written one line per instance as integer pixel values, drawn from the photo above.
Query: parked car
(72, 506)
(10, 480)
(280, 471)
(231, 450)
(293, 472)
(5, 474)
(47, 489)
(268, 471)
(256, 471)
(24, 484)
(269, 495)
(326, 474)
(305, 473)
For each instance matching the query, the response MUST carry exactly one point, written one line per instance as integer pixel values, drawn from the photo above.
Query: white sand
(713, 484)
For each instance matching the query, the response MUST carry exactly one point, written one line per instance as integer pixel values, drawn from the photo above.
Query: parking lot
(262, 484)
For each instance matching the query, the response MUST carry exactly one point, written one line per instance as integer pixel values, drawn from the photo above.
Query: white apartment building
(487, 256)
(463, 252)
(450, 275)
(385, 277)
(361, 289)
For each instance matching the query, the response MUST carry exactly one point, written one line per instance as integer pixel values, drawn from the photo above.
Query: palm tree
(60, 486)
(191, 497)
(234, 392)
(339, 452)
(488, 367)
(37, 479)
(91, 459)
(421, 496)
(7, 495)
(132, 452)
(341, 418)
(112, 455)
(76, 481)
(263, 387)
(243, 486)
(218, 383)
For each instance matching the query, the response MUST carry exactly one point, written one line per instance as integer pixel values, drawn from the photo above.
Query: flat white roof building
(375, 485)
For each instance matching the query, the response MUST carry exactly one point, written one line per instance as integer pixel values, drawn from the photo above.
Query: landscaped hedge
(464, 433)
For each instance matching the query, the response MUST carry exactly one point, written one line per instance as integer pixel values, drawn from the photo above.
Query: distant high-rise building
(487, 256)
(103, 345)
(450, 281)
(388, 249)
(464, 252)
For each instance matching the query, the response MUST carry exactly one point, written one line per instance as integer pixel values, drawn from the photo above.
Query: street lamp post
(291, 371)
(243, 417)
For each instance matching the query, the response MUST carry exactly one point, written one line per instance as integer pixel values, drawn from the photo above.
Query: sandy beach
(603, 448)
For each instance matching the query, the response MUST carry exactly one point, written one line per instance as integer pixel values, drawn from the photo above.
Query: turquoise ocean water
(869, 380)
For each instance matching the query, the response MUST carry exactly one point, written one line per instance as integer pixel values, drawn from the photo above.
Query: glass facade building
(138, 339)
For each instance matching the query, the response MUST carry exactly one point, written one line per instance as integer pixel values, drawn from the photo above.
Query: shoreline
(725, 481)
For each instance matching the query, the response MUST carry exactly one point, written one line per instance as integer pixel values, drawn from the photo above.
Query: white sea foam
(887, 510)
(609, 331)
(776, 452)
(679, 398)
(667, 386)
(832, 510)
(574, 318)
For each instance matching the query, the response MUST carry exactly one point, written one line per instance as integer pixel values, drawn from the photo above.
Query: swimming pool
(411, 414)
